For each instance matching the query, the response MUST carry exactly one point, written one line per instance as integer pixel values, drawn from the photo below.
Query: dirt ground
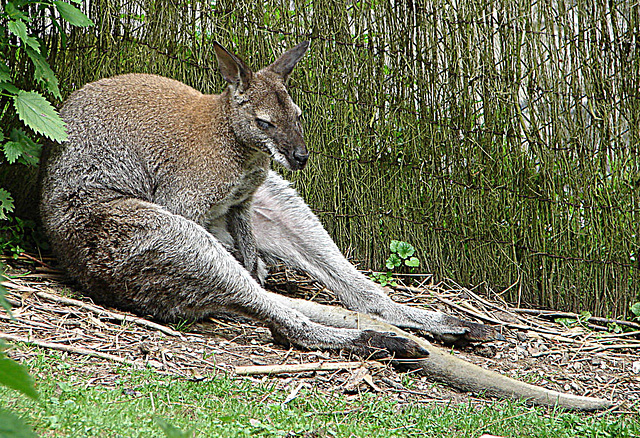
(583, 359)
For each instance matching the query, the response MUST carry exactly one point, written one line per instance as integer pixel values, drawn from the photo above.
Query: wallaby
(161, 202)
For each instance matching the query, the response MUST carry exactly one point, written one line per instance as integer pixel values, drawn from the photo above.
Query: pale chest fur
(241, 190)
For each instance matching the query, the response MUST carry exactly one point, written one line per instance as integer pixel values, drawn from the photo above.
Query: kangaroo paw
(369, 344)
(461, 332)
(378, 345)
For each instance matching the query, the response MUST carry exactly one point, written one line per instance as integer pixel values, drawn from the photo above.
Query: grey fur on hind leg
(286, 230)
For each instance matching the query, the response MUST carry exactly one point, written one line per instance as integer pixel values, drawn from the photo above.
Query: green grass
(73, 405)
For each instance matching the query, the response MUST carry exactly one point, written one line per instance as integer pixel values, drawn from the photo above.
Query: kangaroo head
(261, 112)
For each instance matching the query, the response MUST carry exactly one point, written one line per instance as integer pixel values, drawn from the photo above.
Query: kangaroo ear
(232, 68)
(283, 66)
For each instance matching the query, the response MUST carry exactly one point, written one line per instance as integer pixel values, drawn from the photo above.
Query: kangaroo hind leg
(286, 230)
(154, 262)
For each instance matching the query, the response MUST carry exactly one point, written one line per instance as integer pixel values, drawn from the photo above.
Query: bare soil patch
(583, 359)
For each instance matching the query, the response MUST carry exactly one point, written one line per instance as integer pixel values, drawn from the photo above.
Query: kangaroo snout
(299, 158)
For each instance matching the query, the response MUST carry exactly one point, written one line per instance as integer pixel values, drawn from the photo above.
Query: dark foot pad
(463, 332)
(378, 345)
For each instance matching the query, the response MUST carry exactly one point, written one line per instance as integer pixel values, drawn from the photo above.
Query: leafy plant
(402, 254)
(582, 320)
(30, 107)
(16, 234)
(635, 309)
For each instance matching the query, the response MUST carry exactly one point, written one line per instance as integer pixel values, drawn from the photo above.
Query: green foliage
(29, 106)
(14, 376)
(17, 234)
(6, 203)
(402, 254)
(37, 113)
(582, 320)
(12, 426)
(73, 405)
(72, 14)
(635, 309)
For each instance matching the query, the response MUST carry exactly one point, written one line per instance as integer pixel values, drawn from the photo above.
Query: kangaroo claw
(379, 345)
(461, 332)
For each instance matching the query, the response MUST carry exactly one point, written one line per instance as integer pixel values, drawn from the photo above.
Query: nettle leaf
(9, 87)
(14, 13)
(393, 262)
(72, 14)
(44, 73)
(405, 250)
(12, 150)
(5, 73)
(38, 114)
(19, 29)
(29, 150)
(412, 262)
(15, 376)
(6, 203)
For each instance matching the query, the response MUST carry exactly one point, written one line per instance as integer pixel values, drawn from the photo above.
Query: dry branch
(302, 368)
(552, 314)
(67, 348)
(101, 311)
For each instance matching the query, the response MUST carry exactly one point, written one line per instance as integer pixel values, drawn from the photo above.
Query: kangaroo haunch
(161, 202)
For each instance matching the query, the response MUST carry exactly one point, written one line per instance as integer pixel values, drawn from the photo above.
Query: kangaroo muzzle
(298, 158)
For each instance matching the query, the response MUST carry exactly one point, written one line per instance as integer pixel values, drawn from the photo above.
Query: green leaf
(567, 322)
(12, 426)
(6, 203)
(29, 150)
(19, 29)
(5, 73)
(44, 73)
(16, 376)
(394, 245)
(38, 114)
(14, 13)
(22, 149)
(393, 262)
(636, 309)
(9, 87)
(412, 262)
(405, 250)
(170, 431)
(12, 150)
(584, 316)
(72, 14)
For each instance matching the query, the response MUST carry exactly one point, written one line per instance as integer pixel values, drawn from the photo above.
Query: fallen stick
(551, 314)
(301, 368)
(68, 349)
(478, 315)
(93, 308)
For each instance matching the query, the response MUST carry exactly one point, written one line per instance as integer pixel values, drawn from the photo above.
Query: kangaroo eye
(263, 124)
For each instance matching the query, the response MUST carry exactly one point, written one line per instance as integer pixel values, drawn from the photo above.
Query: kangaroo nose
(301, 156)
